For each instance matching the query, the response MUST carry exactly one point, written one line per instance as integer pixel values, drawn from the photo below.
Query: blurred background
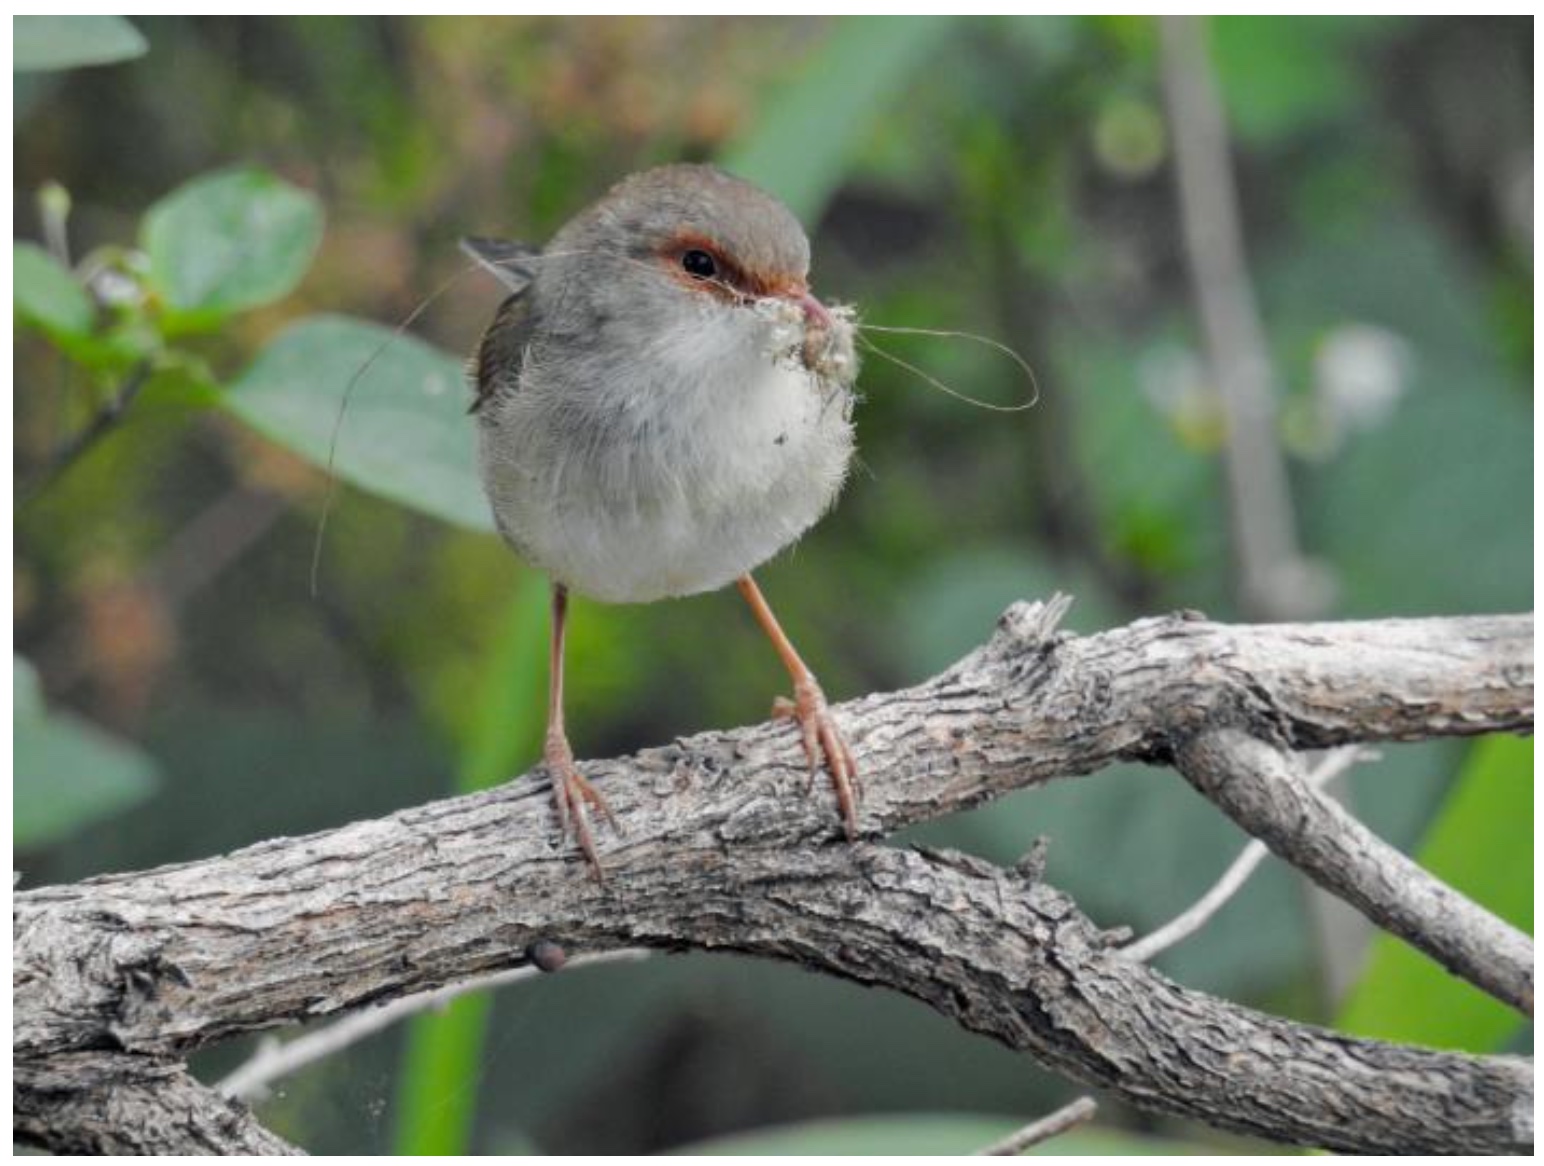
(181, 691)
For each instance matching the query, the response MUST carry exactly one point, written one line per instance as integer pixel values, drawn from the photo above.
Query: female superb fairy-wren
(662, 406)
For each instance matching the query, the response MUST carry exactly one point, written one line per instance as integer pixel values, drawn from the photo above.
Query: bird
(662, 405)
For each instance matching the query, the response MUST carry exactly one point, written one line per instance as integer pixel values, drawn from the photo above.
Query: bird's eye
(699, 264)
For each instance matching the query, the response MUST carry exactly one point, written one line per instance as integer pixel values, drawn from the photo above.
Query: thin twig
(76, 446)
(1074, 1113)
(1191, 920)
(273, 1059)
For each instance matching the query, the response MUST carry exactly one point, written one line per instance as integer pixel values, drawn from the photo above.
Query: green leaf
(405, 434)
(48, 295)
(922, 1134)
(1482, 844)
(63, 42)
(803, 146)
(229, 241)
(68, 773)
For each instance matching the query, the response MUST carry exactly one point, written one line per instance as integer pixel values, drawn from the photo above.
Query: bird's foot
(573, 795)
(823, 742)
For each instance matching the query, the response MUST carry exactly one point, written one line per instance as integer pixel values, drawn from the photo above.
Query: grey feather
(641, 437)
(506, 260)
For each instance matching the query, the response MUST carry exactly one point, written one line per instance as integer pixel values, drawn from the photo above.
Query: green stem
(442, 1063)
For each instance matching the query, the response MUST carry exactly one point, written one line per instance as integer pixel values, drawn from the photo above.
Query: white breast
(675, 484)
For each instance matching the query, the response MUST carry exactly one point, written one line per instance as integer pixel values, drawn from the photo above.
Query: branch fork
(724, 851)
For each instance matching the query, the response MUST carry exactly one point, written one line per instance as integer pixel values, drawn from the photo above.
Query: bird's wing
(510, 263)
(501, 355)
(502, 351)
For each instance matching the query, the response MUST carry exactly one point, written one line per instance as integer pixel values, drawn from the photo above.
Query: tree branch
(1052, 1125)
(1264, 790)
(119, 1103)
(1199, 913)
(724, 849)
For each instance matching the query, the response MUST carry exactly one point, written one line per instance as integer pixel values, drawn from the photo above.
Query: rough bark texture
(119, 1103)
(724, 849)
(1265, 789)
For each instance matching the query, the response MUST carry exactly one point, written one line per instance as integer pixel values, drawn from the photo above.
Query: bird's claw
(571, 792)
(823, 742)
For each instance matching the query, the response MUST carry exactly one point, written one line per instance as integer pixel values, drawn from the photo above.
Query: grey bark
(724, 849)
(1265, 790)
(118, 1103)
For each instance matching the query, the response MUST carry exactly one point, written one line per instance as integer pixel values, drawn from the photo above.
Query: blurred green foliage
(47, 295)
(68, 773)
(803, 144)
(1003, 175)
(402, 435)
(227, 242)
(67, 42)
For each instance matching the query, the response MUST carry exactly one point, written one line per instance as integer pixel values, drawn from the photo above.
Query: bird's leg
(822, 739)
(569, 788)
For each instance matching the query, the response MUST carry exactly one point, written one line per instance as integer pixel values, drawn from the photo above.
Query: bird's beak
(814, 311)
